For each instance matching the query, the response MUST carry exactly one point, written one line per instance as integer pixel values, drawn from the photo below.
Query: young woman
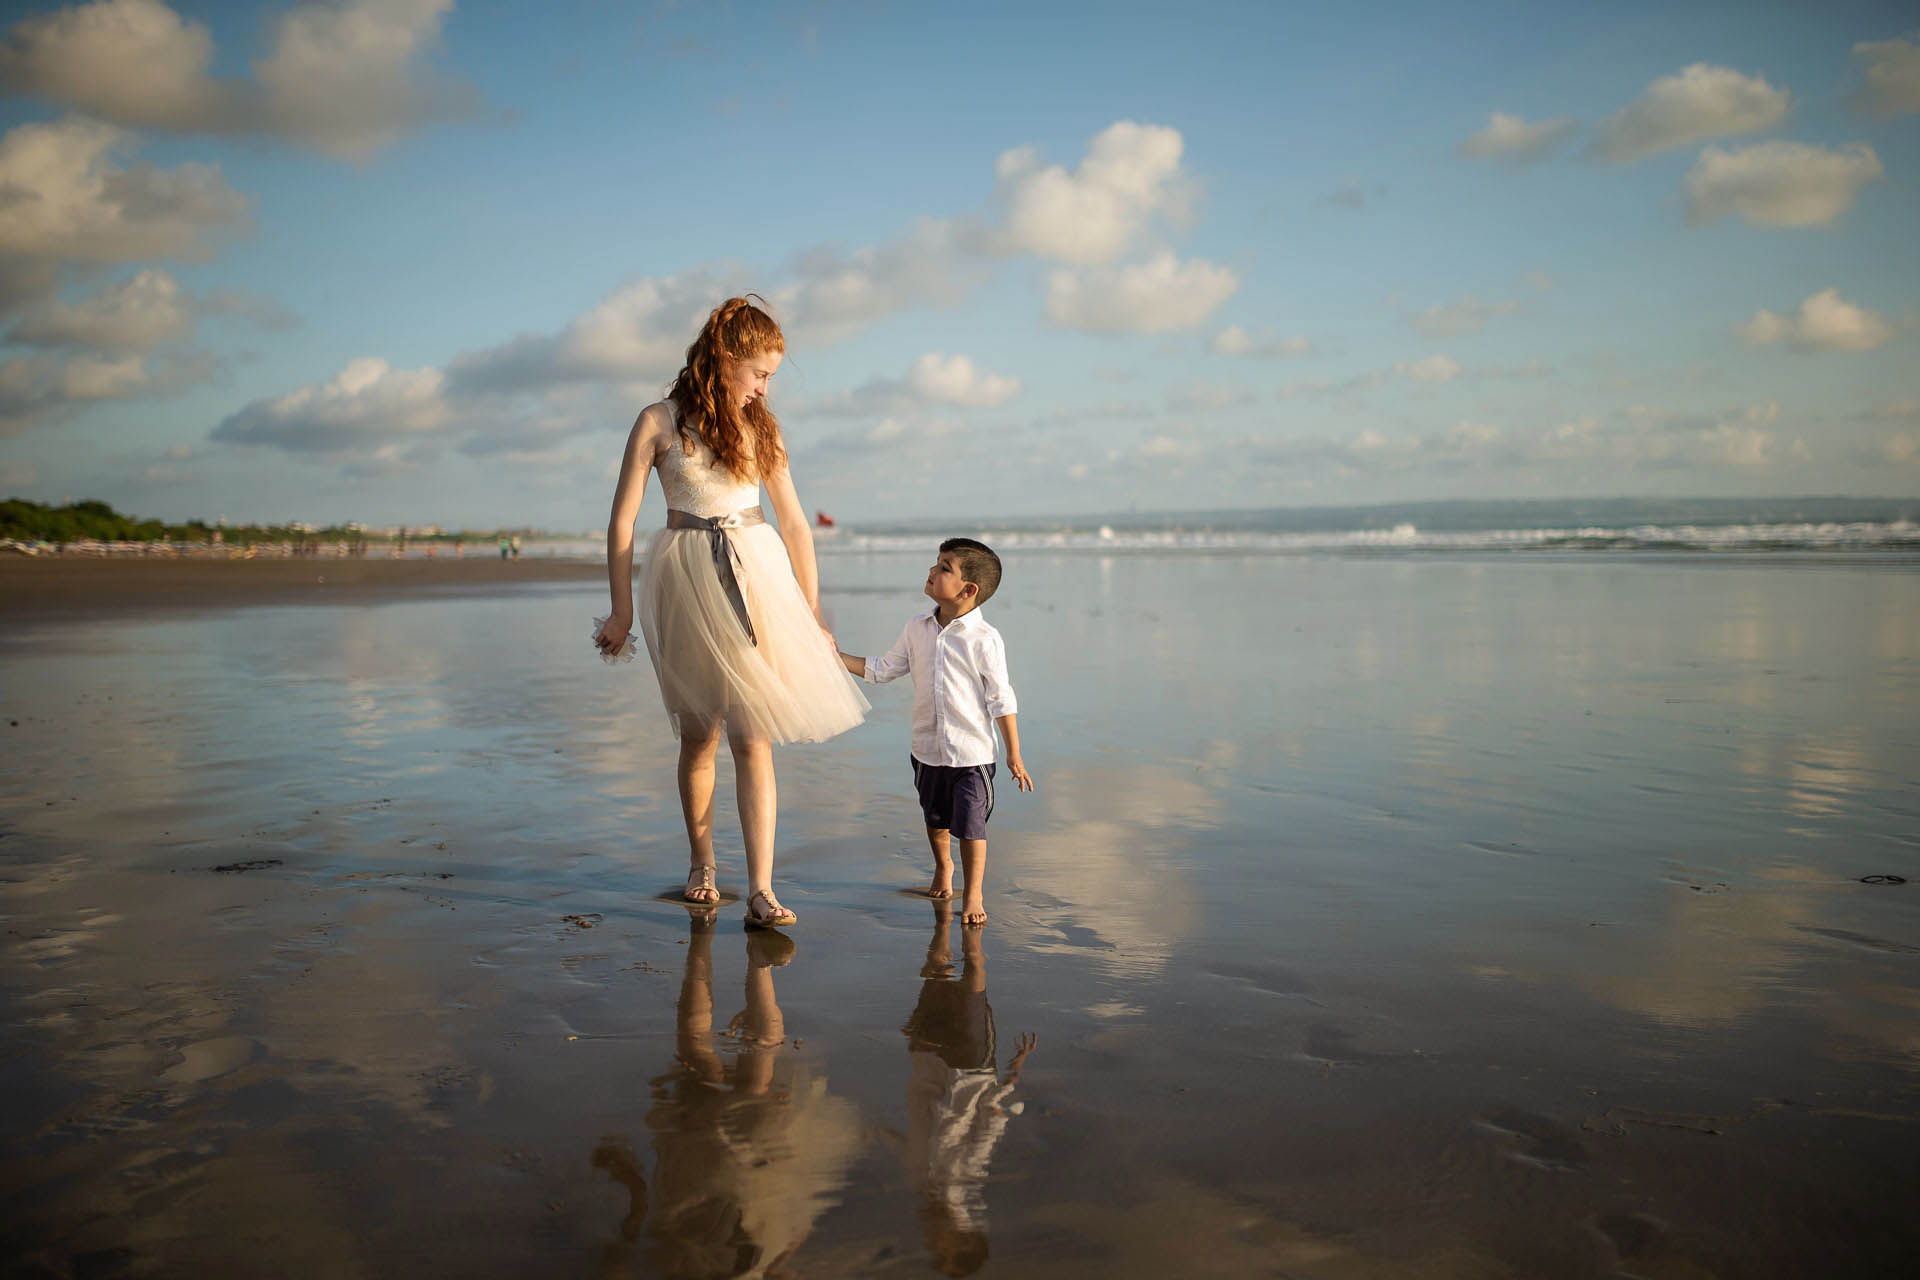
(731, 615)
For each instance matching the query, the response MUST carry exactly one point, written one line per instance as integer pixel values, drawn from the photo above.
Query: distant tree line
(96, 521)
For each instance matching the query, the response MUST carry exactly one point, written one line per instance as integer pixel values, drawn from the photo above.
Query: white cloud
(1901, 449)
(1435, 368)
(264, 312)
(1302, 387)
(942, 379)
(133, 62)
(134, 315)
(835, 294)
(1701, 102)
(1205, 397)
(1166, 450)
(1236, 341)
(1511, 140)
(1893, 411)
(69, 202)
(1160, 295)
(934, 378)
(1352, 193)
(1824, 322)
(368, 402)
(1892, 70)
(1639, 440)
(637, 333)
(341, 77)
(1092, 216)
(1778, 184)
(1469, 315)
(36, 387)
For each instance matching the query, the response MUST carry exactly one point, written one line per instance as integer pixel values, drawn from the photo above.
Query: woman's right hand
(613, 634)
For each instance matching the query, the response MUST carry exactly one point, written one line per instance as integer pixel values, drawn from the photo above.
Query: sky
(424, 261)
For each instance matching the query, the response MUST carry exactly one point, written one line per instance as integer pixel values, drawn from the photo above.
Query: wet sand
(1443, 916)
(36, 586)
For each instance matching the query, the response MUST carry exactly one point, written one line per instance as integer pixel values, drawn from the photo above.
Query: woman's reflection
(957, 1105)
(747, 1153)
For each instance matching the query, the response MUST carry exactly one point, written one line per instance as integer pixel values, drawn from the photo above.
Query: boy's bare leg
(973, 865)
(938, 840)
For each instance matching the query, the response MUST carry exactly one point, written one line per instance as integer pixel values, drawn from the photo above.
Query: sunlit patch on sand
(1113, 854)
(1115, 1009)
(206, 1059)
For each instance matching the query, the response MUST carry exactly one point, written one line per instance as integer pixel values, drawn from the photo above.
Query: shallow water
(1432, 915)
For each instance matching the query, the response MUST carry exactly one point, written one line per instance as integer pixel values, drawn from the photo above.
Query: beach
(1378, 914)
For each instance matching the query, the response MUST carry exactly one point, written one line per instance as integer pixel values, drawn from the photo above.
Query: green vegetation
(93, 520)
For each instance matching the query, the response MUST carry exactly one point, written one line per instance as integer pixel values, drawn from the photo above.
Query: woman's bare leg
(698, 747)
(758, 801)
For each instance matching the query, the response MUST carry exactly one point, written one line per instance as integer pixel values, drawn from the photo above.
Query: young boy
(959, 668)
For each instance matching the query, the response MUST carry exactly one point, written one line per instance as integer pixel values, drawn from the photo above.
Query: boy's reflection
(957, 1105)
(746, 1154)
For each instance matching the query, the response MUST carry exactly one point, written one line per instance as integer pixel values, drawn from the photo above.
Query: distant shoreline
(64, 585)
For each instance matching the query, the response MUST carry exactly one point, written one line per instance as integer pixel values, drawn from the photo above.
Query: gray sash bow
(725, 558)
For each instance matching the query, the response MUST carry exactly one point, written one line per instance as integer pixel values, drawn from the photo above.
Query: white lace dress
(783, 683)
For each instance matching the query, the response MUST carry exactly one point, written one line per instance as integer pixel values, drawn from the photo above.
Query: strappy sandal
(775, 914)
(700, 889)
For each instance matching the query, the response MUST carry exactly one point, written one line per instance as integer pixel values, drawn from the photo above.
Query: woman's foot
(700, 890)
(765, 912)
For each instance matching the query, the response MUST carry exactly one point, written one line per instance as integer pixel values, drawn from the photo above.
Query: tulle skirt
(787, 687)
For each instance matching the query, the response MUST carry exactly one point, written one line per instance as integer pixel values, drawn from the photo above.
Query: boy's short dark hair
(978, 565)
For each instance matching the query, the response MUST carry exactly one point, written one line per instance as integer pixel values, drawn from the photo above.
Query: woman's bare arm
(796, 533)
(643, 446)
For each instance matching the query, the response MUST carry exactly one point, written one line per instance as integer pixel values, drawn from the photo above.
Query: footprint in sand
(1534, 1139)
(210, 1058)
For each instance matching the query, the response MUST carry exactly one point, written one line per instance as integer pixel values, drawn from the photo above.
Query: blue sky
(424, 261)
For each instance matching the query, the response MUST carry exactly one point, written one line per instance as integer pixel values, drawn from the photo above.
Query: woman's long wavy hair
(746, 443)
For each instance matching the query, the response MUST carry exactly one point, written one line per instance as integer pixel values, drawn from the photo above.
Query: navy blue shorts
(956, 799)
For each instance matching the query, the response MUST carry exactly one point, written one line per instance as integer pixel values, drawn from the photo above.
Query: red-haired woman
(731, 616)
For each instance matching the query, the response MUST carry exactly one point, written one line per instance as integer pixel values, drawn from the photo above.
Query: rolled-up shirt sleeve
(994, 682)
(894, 663)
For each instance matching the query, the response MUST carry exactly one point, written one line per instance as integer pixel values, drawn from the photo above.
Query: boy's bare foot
(942, 886)
(700, 889)
(974, 915)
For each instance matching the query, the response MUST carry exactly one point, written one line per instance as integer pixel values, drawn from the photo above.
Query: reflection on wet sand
(1113, 838)
(747, 1153)
(957, 1103)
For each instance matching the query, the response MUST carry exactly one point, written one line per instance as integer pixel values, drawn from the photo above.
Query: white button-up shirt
(960, 686)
